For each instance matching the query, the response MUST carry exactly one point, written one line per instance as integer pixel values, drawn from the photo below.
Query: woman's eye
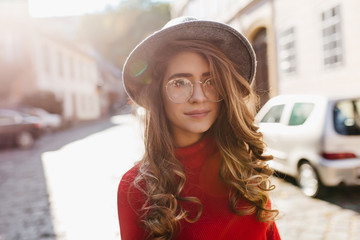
(179, 83)
(209, 82)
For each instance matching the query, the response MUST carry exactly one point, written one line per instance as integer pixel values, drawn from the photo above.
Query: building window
(83, 72)
(46, 58)
(71, 67)
(332, 38)
(287, 51)
(60, 64)
(9, 44)
(77, 69)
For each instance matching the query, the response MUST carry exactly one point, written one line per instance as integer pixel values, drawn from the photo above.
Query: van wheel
(25, 140)
(309, 181)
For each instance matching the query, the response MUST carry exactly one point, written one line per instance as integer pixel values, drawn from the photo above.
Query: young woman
(203, 174)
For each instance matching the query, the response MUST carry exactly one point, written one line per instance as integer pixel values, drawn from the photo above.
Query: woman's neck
(185, 140)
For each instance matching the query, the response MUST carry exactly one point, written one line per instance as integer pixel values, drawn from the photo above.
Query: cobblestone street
(24, 204)
(65, 189)
(304, 218)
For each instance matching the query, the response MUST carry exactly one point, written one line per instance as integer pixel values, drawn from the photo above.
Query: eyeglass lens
(180, 90)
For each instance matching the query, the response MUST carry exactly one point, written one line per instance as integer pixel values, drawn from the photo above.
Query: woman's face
(189, 120)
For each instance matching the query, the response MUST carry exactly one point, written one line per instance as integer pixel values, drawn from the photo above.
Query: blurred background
(68, 130)
(71, 65)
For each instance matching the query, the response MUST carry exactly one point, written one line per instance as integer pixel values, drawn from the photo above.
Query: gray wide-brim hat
(137, 76)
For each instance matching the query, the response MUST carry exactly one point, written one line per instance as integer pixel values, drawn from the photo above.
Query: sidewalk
(304, 218)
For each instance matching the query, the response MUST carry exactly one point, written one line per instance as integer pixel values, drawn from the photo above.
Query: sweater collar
(195, 154)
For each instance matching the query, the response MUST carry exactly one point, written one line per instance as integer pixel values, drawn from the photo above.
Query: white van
(315, 139)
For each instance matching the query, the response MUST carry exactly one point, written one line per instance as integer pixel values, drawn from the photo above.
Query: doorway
(261, 84)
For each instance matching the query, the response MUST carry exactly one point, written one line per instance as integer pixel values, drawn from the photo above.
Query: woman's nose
(198, 93)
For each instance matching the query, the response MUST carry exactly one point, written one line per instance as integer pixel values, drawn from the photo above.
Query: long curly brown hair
(161, 176)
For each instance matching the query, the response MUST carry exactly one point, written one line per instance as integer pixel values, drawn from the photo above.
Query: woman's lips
(197, 113)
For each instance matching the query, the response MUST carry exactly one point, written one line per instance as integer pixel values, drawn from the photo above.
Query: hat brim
(232, 43)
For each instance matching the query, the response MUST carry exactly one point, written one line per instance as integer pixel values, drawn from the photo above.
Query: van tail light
(37, 125)
(337, 156)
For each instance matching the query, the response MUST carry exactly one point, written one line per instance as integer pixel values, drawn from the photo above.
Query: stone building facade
(302, 46)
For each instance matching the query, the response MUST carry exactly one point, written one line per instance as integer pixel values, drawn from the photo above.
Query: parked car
(50, 121)
(315, 139)
(16, 129)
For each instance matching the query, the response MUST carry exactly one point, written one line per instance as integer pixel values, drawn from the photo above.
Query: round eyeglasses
(180, 90)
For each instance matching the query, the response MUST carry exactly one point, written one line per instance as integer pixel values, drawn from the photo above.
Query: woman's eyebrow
(207, 74)
(179, 75)
(186, 75)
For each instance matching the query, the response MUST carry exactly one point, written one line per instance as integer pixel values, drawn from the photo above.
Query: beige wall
(305, 16)
(311, 75)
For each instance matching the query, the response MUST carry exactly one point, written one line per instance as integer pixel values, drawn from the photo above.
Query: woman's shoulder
(128, 178)
(128, 191)
(129, 203)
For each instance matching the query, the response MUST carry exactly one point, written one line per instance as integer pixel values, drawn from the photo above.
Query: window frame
(331, 34)
(287, 55)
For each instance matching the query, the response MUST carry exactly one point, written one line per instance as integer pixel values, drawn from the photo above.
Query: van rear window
(347, 117)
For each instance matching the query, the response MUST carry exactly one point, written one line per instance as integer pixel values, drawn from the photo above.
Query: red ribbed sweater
(201, 162)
